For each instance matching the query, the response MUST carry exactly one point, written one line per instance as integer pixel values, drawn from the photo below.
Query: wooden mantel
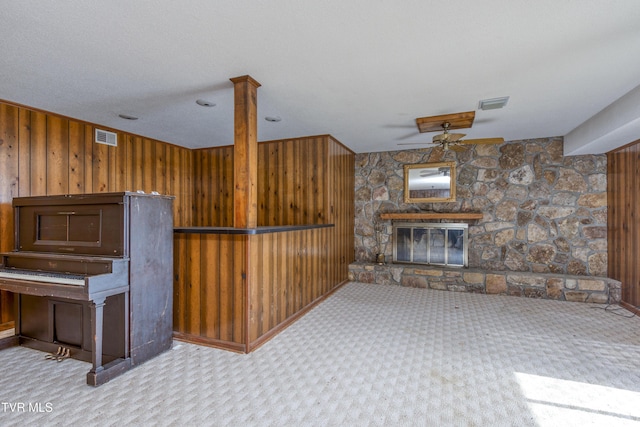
(432, 215)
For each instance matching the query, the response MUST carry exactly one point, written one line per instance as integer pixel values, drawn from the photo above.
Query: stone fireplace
(443, 244)
(541, 232)
(542, 212)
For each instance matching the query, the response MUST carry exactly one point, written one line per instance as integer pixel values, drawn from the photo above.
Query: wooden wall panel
(623, 184)
(24, 152)
(56, 155)
(38, 154)
(209, 283)
(285, 273)
(340, 194)
(302, 181)
(76, 158)
(45, 154)
(213, 187)
(9, 179)
(290, 276)
(9, 124)
(292, 175)
(57, 161)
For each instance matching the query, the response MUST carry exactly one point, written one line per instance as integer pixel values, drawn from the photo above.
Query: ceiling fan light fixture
(493, 103)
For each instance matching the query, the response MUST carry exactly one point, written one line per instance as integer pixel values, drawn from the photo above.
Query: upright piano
(92, 274)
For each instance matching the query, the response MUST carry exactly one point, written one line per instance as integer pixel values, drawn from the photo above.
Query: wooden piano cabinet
(121, 245)
(47, 323)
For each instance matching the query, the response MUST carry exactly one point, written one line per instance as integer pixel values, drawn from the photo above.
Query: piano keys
(93, 273)
(41, 276)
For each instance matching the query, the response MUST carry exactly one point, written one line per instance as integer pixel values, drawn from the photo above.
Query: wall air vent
(106, 137)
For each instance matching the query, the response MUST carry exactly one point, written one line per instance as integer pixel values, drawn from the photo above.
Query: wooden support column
(245, 153)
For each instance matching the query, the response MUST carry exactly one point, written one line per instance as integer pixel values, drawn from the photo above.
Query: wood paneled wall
(623, 185)
(213, 187)
(340, 177)
(289, 275)
(301, 181)
(292, 179)
(209, 288)
(45, 154)
(236, 291)
(293, 183)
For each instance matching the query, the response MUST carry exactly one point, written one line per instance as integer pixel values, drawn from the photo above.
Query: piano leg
(16, 313)
(127, 353)
(100, 374)
(97, 316)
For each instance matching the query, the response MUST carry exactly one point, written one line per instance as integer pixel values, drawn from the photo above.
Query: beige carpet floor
(368, 355)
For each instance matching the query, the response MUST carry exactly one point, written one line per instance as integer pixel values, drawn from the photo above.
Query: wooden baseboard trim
(9, 342)
(242, 348)
(210, 342)
(630, 307)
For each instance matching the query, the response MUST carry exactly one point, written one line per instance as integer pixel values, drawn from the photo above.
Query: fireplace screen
(439, 244)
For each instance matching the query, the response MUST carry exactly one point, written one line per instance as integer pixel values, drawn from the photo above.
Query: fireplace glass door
(437, 244)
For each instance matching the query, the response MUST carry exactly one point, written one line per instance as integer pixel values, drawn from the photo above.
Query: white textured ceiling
(359, 70)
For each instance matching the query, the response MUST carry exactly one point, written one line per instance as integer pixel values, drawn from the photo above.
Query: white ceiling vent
(106, 137)
(493, 104)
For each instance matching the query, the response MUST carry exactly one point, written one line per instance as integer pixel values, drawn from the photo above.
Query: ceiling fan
(446, 122)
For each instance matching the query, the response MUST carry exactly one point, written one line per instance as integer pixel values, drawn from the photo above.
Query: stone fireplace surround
(542, 232)
(524, 284)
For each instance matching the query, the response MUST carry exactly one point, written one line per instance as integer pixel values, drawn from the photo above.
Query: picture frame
(430, 182)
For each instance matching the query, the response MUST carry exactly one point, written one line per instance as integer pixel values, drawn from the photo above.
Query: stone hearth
(524, 284)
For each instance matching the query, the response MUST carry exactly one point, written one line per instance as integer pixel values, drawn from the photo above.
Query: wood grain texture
(276, 295)
(9, 178)
(232, 290)
(455, 120)
(46, 154)
(340, 210)
(213, 187)
(209, 298)
(54, 155)
(245, 171)
(76, 158)
(303, 180)
(623, 235)
(293, 180)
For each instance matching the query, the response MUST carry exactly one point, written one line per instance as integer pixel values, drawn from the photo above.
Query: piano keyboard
(42, 276)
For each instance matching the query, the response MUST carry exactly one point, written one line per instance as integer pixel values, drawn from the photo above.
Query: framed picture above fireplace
(430, 182)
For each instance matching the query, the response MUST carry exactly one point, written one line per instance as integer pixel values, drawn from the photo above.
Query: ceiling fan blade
(482, 141)
(457, 148)
(451, 137)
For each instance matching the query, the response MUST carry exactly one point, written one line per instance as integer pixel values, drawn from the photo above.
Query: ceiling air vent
(106, 137)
